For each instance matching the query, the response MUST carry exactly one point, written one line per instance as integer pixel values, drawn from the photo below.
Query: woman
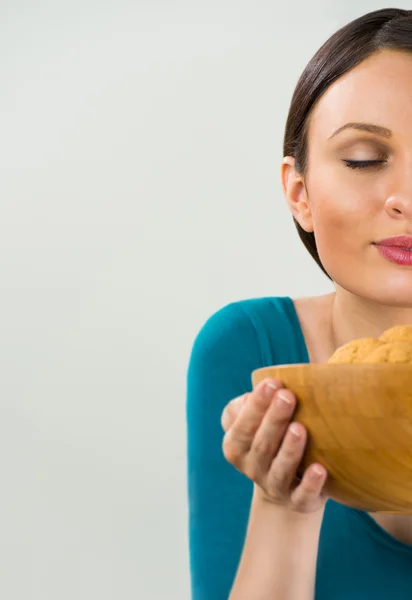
(256, 532)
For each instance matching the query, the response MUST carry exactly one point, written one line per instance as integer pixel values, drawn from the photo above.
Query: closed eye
(363, 164)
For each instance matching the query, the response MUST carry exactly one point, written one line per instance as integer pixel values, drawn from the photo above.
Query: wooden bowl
(359, 423)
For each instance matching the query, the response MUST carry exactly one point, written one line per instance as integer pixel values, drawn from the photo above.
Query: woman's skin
(350, 209)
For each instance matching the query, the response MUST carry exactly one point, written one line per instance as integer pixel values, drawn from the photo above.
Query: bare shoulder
(315, 317)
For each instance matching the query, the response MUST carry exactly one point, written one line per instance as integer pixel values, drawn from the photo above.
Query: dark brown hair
(389, 28)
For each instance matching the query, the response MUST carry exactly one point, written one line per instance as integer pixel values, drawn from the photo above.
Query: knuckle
(279, 415)
(247, 430)
(301, 499)
(290, 448)
(234, 447)
(253, 471)
(300, 503)
(262, 446)
(277, 480)
(290, 452)
(309, 487)
(277, 419)
(228, 417)
(231, 453)
(243, 434)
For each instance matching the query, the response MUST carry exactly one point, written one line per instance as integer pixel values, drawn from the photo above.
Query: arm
(279, 556)
(224, 354)
(241, 547)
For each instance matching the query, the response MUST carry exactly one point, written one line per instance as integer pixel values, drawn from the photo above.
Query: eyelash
(363, 164)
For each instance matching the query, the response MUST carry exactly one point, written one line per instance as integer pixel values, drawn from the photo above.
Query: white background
(140, 149)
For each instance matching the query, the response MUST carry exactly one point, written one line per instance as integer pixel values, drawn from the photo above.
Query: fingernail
(295, 431)
(270, 388)
(318, 471)
(283, 395)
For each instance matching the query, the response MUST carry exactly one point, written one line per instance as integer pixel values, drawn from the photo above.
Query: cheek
(341, 223)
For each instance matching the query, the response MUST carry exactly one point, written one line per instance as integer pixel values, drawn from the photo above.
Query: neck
(353, 317)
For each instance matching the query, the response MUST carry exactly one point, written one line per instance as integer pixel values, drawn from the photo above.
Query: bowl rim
(339, 366)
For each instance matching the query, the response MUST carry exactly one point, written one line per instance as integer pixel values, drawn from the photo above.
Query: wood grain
(359, 422)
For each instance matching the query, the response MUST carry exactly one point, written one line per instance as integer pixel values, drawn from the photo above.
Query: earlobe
(295, 193)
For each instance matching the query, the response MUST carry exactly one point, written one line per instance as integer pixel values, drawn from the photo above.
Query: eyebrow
(368, 127)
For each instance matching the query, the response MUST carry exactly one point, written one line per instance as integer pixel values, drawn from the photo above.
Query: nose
(399, 207)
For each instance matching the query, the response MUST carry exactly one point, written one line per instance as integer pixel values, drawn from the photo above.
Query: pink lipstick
(396, 249)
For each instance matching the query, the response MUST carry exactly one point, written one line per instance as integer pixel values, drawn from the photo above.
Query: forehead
(379, 90)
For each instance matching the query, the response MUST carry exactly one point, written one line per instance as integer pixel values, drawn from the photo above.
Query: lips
(396, 250)
(400, 241)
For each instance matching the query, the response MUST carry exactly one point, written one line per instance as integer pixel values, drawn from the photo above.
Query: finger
(310, 488)
(282, 472)
(238, 438)
(269, 436)
(232, 410)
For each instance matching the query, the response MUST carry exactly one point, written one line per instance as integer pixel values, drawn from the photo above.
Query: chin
(394, 290)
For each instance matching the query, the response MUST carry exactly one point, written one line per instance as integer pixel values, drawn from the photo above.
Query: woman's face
(350, 209)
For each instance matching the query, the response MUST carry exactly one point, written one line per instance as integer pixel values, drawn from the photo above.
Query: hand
(261, 443)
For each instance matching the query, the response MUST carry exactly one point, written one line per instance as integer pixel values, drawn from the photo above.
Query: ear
(295, 193)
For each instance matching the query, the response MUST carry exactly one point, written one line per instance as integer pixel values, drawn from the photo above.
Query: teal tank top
(357, 559)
